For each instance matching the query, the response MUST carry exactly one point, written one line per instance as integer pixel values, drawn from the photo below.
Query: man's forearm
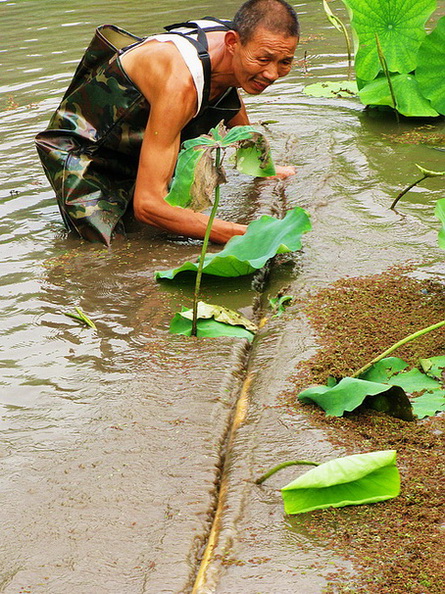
(186, 222)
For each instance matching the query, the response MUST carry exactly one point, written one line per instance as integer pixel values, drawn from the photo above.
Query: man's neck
(221, 61)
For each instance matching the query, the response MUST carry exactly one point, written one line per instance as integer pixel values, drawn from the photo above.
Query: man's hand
(283, 172)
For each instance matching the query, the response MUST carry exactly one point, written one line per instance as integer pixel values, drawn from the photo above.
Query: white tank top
(188, 53)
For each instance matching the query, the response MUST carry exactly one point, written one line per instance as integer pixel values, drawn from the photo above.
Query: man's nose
(270, 73)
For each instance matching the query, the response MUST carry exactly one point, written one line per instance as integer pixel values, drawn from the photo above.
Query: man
(115, 138)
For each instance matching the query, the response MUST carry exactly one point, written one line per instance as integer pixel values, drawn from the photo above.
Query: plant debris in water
(428, 134)
(397, 546)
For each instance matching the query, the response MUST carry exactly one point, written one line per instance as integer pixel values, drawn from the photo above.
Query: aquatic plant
(213, 321)
(383, 384)
(339, 25)
(80, 316)
(439, 211)
(397, 64)
(243, 254)
(279, 303)
(425, 174)
(350, 480)
(198, 175)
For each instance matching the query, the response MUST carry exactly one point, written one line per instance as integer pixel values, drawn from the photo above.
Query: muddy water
(111, 441)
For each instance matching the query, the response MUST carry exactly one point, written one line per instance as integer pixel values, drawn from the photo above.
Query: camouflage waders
(90, 150)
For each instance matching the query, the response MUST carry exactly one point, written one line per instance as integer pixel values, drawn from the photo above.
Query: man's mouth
(260, 85)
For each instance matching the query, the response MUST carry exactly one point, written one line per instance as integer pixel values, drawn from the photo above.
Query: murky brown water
(111, 440)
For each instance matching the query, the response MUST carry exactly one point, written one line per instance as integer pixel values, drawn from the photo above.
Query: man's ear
(231, 40)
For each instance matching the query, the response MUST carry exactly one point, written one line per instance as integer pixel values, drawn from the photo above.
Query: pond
(96, 424)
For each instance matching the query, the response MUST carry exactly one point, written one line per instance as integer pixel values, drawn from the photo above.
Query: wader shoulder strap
(202, 48)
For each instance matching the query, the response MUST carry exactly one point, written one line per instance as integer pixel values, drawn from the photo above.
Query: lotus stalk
(398, 344)
(426, 173)
(278, 467)
(218, 162)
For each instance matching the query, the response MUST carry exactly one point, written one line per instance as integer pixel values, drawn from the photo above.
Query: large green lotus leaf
(352, 480)
(431, 67)
(345, 88)
(243, 254)
(384, 369)
(409, 100)
(434, 366)
(413, 381)
(350, 393)
(399, 25)
(429, 404)
(207, 328)
(439, 211)
(391, 371)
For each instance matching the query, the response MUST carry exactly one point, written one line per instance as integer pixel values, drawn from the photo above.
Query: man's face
(264, 58)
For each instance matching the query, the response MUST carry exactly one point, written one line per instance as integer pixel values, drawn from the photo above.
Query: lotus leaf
(431, 67)
(243, 254)
(434, 366)
(196, 175)
(249, 160)
(206, 328)
(346, 88)
(414, 381)
(220, 314)
(429, 404)
(409, 99)
(351, 392)
(399, 25)
(384, 369)
(181, 191)
(439, 211)
(352, 480)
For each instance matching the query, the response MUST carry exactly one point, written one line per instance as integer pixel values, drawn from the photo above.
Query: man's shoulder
(156, 62)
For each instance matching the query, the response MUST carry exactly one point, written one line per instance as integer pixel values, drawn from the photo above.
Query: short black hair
(276, 16)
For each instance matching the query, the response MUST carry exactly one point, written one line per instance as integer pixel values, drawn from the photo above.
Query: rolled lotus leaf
(352, 480)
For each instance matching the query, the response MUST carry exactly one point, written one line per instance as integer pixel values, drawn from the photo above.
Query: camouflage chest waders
(90, 150)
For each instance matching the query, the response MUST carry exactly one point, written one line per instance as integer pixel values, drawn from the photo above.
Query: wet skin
(262, 60)
(160, 73)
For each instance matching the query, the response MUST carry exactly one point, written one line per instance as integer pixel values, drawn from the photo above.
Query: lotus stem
(204, 246)
(385, 69)
(278, 467)
(338, 24)
(407, 190)
(81, 317)
(397, 345)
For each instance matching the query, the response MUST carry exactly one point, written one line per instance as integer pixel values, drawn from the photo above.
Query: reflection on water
(339, 150)
(55, 374)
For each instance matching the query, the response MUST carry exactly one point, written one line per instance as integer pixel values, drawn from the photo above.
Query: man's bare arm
(172, 96)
